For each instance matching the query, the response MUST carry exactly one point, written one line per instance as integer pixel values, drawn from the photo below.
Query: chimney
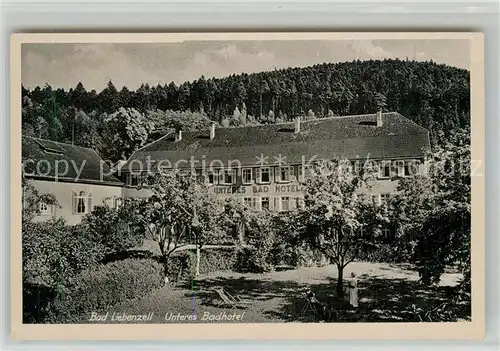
(297, 124)
(212, 131)
(380, 122)
(178, 136)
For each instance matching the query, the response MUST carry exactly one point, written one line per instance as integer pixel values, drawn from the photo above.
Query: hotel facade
(262, 166)
(77, 177)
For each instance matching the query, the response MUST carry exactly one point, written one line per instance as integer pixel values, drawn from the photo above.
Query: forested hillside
(433, 95)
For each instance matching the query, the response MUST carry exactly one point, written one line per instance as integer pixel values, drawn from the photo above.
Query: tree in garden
(333, 216)
(236, 220)
(434, 209)
(32, 198)
(251, 231)
(52, 254)
(180, 211)
(111, 228)
(126, 130)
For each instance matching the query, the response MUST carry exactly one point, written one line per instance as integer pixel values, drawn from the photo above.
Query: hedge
(180, 266)
(107, 285)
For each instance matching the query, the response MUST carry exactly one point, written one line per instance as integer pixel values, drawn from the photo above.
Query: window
(293, 173)
(408, 170)
(211, 177)
(246, 175)
(300, 173)
(400, 166)
(264, 203)
(82, 203)
(283, 174)
(229, 176)
(250, 202)
(376, 198)
(385, 169)
(276, 203)
(264, 175)
(299, 202)
(384, 198)
(133, 179)
(285, 203)
(113, 202)
(247, 201)
(411, 168)
(109, 202)
(118, 202)
(45, 209)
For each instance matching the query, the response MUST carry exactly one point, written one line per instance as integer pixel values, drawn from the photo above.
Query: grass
(386, 293)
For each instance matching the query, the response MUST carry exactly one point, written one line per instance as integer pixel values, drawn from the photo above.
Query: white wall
(64, 196)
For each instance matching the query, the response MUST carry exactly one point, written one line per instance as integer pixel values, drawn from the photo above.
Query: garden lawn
(386, 293)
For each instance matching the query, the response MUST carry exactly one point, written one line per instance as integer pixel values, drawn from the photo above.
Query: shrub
(111, 227)
(54, 252)
(251, 259)
(390, 253)
(104, 286)
(220, 259)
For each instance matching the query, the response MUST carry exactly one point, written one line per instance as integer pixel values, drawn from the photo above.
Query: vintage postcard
(248, 186)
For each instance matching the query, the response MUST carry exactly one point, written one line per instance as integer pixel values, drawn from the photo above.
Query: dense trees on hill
(433, 95)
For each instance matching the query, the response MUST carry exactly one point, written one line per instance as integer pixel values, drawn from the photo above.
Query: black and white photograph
(247, 181)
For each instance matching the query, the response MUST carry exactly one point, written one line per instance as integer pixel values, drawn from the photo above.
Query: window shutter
(89, 203)
(221, 176)
(292, 173)
(257, 175)
(116, 202)
(277, 204)
(74, 201)
(272, 174)
(235, 172)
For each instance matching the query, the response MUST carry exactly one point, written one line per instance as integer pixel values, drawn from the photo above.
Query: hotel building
(77, 177)
(262, 165)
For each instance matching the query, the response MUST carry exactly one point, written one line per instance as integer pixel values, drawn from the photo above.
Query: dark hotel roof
(353, 137)
(45, 155)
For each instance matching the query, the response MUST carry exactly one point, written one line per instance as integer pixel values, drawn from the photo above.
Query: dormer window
(50, 146)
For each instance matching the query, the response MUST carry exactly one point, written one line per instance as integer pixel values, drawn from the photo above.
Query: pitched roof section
(46, 159)
(353, 137)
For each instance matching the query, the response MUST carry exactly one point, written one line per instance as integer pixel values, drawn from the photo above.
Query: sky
(130, 65)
